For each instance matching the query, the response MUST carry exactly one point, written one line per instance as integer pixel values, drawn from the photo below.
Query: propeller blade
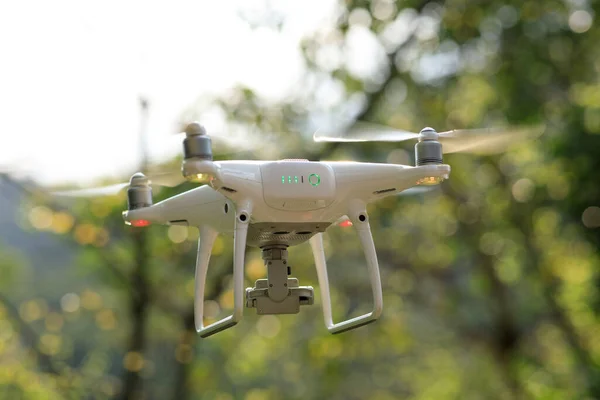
(248, 143)
(486, 141)
(477, 141)
(368, 132)
(93, 192)
(167, 179)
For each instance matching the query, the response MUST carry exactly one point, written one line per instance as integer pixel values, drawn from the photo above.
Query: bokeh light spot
(256, 269)
(70, 302)
(508, 271)
(383, 10)
(591, 217)
(41, 217)
(177, 233)
(226, 299)
(50, 344)
(106, 320)
(360, 16)
(211, 309)
(62, 222)
(193, 233)
(133, 361)
(491, 243)
(85, 233)
(523, 190)
(268, 326)
(91, 300)
(33, 310)
(580, 21)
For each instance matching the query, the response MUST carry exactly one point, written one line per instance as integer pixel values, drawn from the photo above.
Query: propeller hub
(428, 134)
(195, 129)
(139, 179)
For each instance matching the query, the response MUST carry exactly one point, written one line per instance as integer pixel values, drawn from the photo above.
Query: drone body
(303, 195)
(277, 204)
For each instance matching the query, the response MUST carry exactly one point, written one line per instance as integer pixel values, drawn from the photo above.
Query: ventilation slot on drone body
(228, 189)
(384, 191)
(430, 160)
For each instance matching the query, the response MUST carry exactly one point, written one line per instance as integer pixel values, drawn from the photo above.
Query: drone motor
(197, 152)
(197, 144)
(428, 151)
(139, 194)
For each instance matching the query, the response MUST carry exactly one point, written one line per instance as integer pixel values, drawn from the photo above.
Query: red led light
(346, 223)
(140, 222)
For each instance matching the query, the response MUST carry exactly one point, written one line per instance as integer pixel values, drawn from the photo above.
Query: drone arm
(207, 239)
(360, 221)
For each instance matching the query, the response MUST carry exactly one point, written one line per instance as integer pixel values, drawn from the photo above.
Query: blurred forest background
(491, 284)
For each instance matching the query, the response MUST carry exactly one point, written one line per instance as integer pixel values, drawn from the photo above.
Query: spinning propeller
(198, 154)
(197, 147)
(169, 179)
(477, 141)
(431, 144)
(198, 167)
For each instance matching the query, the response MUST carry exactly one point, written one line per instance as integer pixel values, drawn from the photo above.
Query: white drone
(277, 204)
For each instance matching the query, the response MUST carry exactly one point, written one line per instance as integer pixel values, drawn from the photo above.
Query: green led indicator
(314, 179)
(290, 179)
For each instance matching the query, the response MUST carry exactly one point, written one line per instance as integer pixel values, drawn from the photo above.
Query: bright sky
(71, 73)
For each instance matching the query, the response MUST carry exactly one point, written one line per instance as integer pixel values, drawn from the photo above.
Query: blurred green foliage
(491, 284)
